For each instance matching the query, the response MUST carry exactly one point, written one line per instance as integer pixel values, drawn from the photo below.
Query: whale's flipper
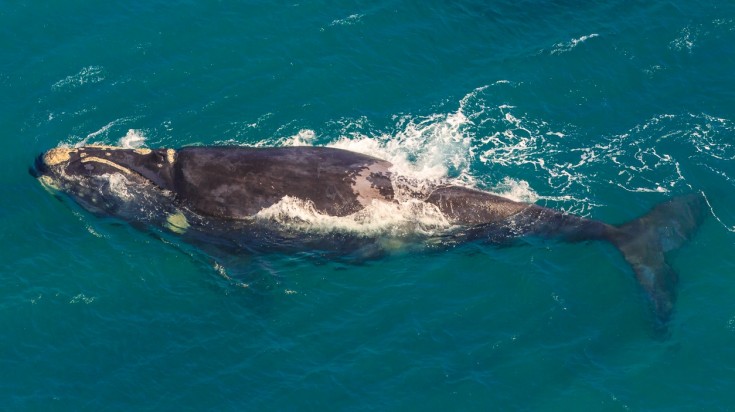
(644, 242)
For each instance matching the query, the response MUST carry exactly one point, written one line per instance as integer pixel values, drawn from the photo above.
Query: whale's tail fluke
(645, 241)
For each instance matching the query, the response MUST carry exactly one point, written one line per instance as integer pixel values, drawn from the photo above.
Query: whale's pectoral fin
(644, 242)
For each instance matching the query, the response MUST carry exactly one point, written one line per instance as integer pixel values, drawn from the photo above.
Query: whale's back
(237, 183)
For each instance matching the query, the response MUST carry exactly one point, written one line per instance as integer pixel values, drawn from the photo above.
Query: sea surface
(599, 108)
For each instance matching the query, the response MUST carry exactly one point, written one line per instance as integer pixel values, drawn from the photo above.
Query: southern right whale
(214, 195)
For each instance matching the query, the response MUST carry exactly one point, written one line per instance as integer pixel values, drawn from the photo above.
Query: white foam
(565, 47)
(347, 21)
(132, 140)
(686, 39)
(83, 298)
(729, 228)
(435, 147)
(518, 190)
(100, 135)
(103, 130)
(223, 272)
(304, 137)
(378, 218)
(90, 74)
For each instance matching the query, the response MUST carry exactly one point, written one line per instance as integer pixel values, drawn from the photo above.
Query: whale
(229, 197)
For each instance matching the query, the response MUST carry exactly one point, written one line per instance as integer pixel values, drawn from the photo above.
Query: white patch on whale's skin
(364, 189)
(171, 155)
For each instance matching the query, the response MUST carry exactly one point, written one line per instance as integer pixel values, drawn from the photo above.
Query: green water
(603, 109)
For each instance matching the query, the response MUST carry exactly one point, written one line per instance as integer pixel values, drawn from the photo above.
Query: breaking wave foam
(436, 147)
(132, 140)
(304, 137)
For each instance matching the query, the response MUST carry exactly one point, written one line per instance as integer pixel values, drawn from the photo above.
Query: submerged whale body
(234, 197)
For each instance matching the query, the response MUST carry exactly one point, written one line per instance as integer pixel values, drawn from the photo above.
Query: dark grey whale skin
(219, 189)
(236, 183)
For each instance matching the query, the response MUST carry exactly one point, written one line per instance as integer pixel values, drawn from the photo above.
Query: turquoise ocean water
(599, 108)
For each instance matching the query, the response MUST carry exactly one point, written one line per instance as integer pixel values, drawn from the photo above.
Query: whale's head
(106, 179)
